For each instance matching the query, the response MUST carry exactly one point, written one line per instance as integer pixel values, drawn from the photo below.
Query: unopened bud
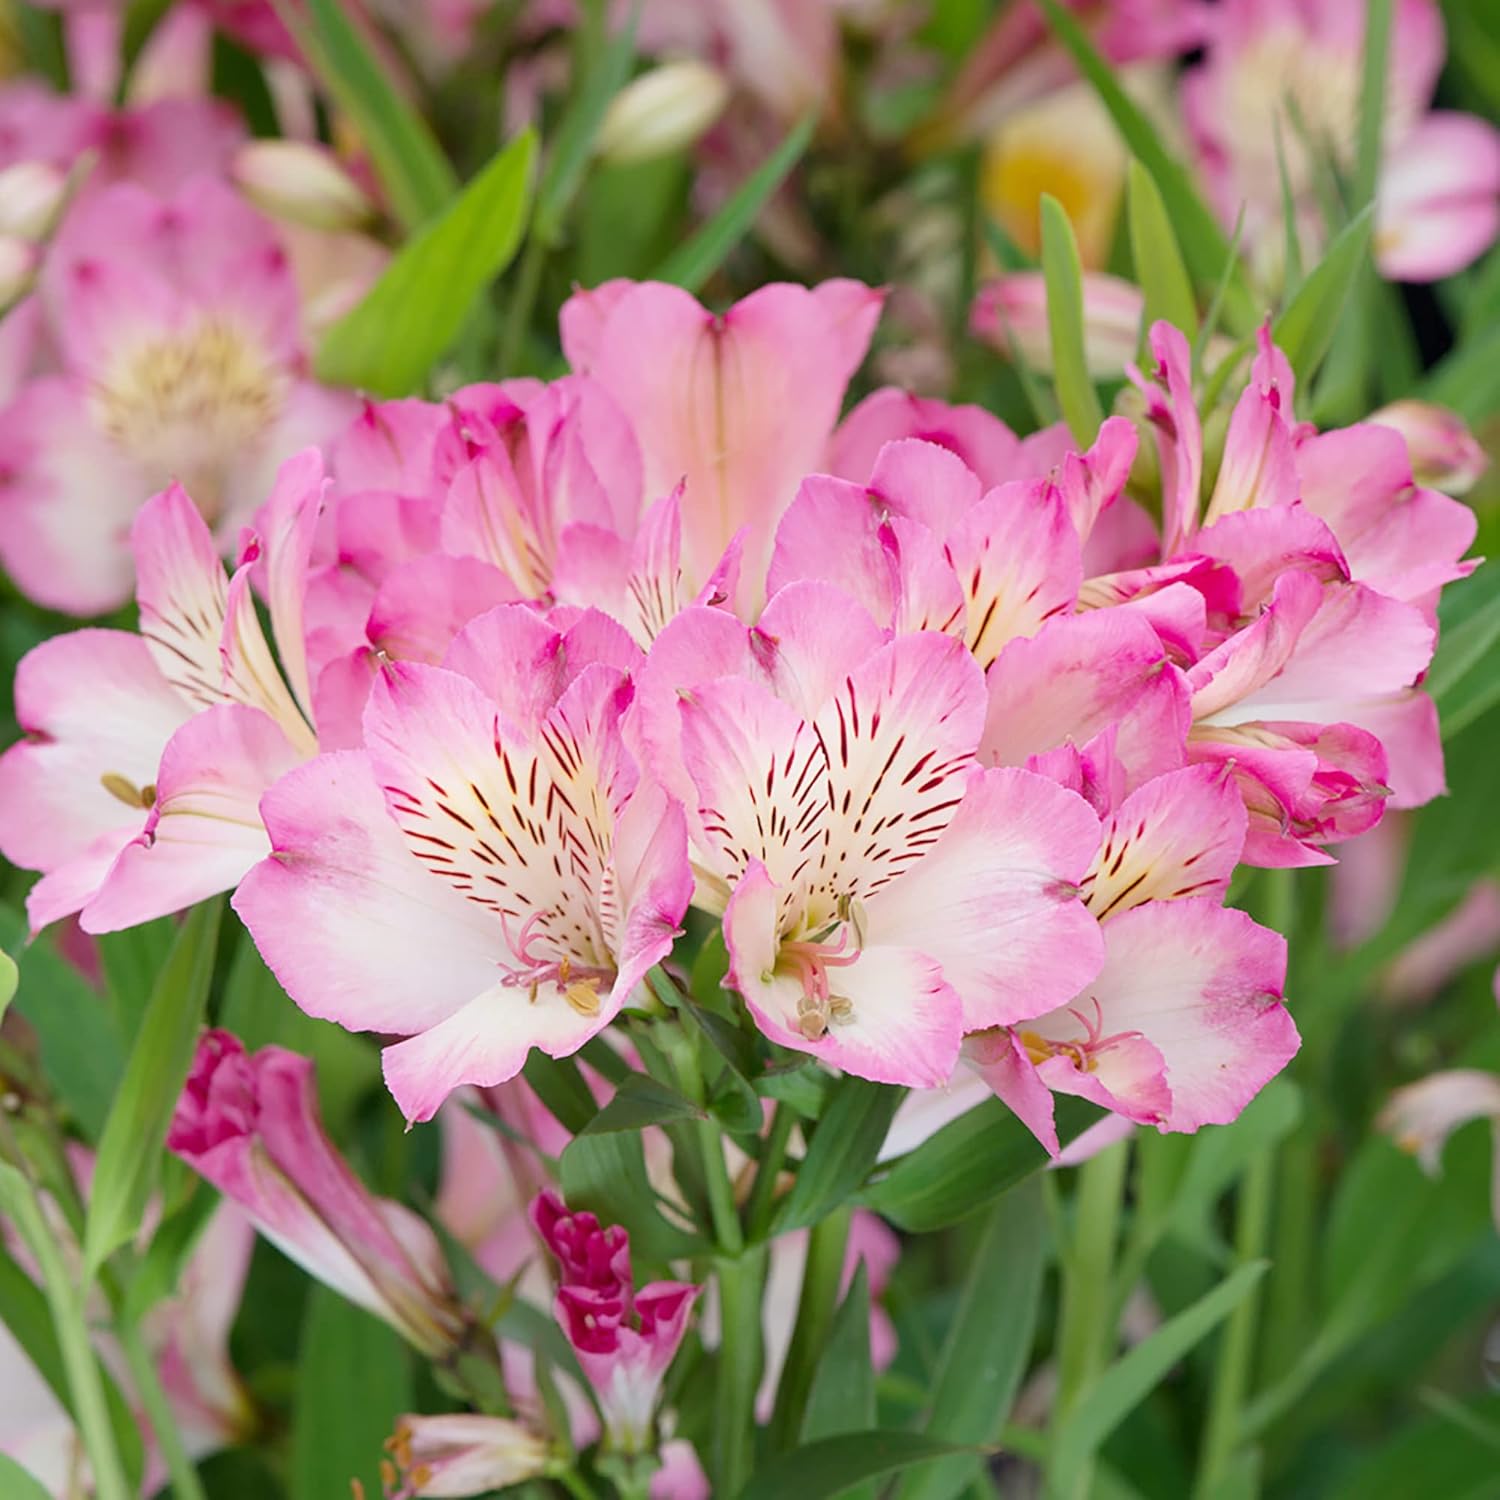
(18, 259)
(1444, 453)
(300, 183)
(31, 197)
(662, 111)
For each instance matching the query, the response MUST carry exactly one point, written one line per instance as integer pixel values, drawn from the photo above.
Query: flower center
(1082, 1051)
(185, 405)
(577, 981)
(808, 960)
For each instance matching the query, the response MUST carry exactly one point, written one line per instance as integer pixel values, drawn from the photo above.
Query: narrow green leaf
(988, 1343)
(1159, 269)
(1451, 1452)
(833, 1466)
(571, 148)
(1038, 397)
(17, 1484)
(81, 1051)
(10, 977)
(1467, 378)
(640, 1101)
(1291, 271)
(1133, 1377)
(1070, 370)
(411, 315)
(842, 1398)
(407, 158)
(131, 960)
(845, 1143)
(353, 1381)
(1305, 329)
(968, 1164)
(1372, 99)
(131, 1147)
(1203, 243)
(607, 1175)
(692, 263)
(1466, 643)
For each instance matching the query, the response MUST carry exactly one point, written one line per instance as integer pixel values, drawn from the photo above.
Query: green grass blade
(1159, 268)
(691, 264)
(1070, 374)
(1306, 328)
(1372, 99)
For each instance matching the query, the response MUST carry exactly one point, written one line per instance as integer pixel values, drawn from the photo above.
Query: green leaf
(1467, 378)
(81, 1052)
(353, 1381)
(607, 1175)
(411, 315)
(131, 960)
(560, 1086)
(1070, 371)
(842, 1398)
(1463, 680)
(833, 1466)
(845, 1143)
(407, 158)
(1452, 1453)
(692, 263)
(1305, 329)
(573, 146)
(640, 1101)
(17, 1484)
(131, 1147)
(1372, 99)
(1135, 1375)
(10, 977)
(1159, 269)
(968, 1164)
(989, 1341)
(1203, 243)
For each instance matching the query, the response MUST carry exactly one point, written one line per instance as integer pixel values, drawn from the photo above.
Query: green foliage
(389, 343)
(1070, 376)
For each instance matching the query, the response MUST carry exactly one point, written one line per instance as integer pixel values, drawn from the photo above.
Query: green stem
(1086, 1331)
(821, 1276)
(741, 1282)
(772, 1159)
(726, 1217)
(186, 1485)
(1288, 1287)
(65, 1302)
(1231, 1379)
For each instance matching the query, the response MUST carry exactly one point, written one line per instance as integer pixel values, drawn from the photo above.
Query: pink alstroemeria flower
(135, 790)
(865, 866)
(736, 407)
(1288, 72)
(625, 1337)
(1184, 1023)
(176, 323)
(492, 873)
(249, 1123)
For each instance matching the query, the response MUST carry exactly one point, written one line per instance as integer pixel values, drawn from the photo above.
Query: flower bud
(662, 111)
(624, 1338)
(250, 1125)
(460, 1454)
(301, 183)
(31, 197)
(1444, 454)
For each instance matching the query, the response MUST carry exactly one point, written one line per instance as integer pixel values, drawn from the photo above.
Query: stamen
(124, 790)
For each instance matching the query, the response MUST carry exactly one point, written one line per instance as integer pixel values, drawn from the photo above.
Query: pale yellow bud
(662, 111)
(31, 197)
(302, 184)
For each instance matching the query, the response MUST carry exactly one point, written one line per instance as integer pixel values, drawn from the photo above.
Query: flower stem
(1086, 1328)
(1231, 1379)
(741, 1280)
(821, 1276)
(763, 1191)
(183, 1472)
(726, 1218)
(65, 1301)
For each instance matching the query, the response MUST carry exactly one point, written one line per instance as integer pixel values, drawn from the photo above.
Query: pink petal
(977, 437)
(204, 833)
(994, 900)
(351, 924)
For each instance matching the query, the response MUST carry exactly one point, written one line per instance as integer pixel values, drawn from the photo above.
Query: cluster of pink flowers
(959, 742)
